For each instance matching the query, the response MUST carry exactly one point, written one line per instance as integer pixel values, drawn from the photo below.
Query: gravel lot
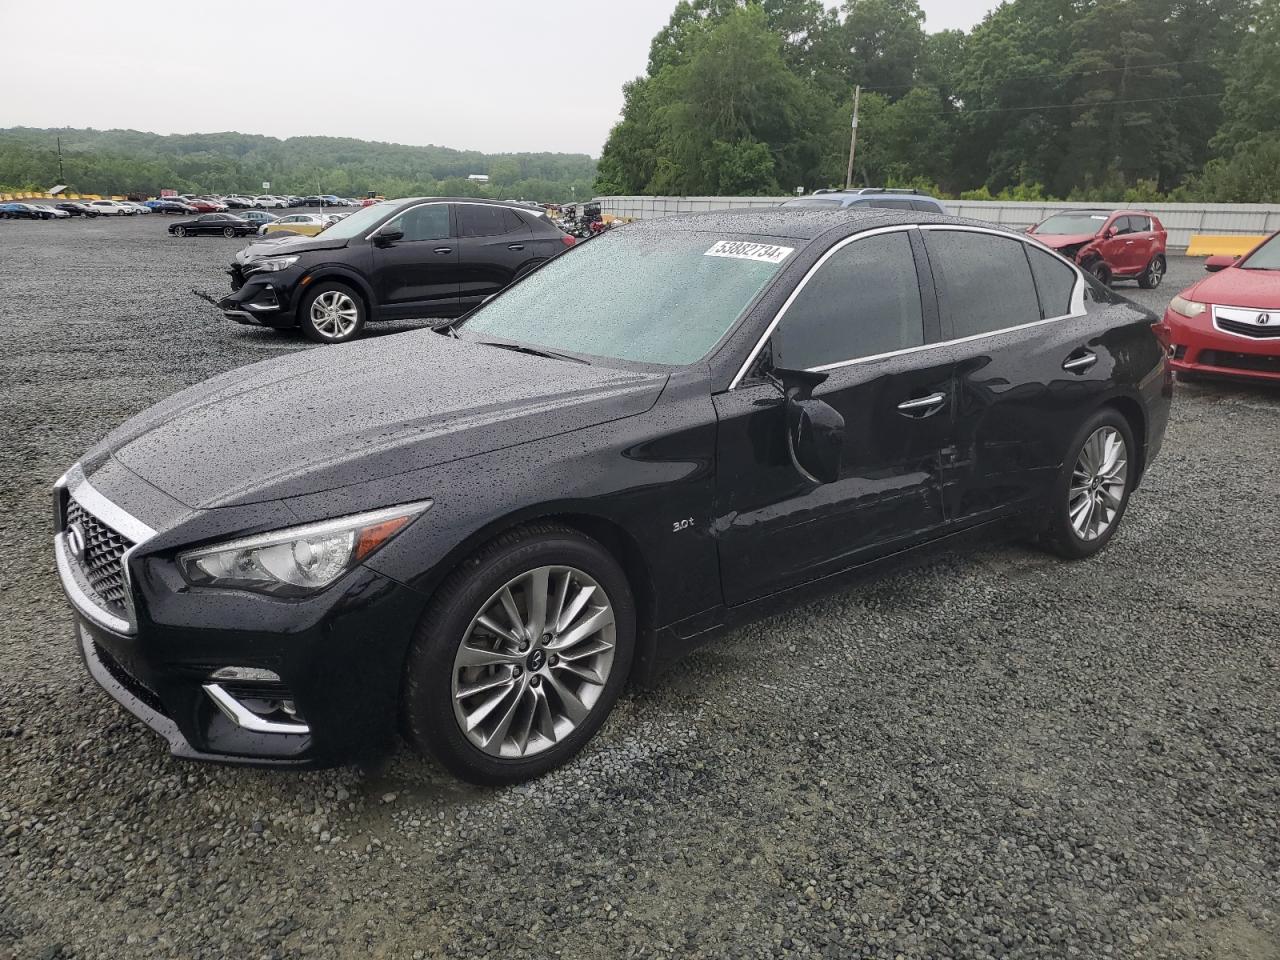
(997, 756)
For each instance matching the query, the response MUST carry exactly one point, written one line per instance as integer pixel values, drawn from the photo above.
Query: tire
(336, 301)
(1100, 271)
(1154, 274)
(228, 231)
(179, 231)
(553, 728)
(1078, 484)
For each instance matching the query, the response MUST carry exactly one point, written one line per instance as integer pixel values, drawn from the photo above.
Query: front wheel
(1100, 271)
(179, 231)
(521, 657)
(228, 231)
(1092, 489)
(332, 313)
(1154, 274)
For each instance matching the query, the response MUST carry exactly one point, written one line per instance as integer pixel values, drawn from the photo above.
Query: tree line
(1070, 99)
(130, 161)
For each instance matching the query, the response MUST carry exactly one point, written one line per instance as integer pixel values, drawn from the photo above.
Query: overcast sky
(492, 75)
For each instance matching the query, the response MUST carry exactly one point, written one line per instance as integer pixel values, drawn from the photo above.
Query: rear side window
(864, 301)
(477, 220)
(890, 204)
(1055, 282)
(984, 282)
(925, 206)
(514, 222)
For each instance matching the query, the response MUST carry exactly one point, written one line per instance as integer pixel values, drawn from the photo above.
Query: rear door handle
(444, 249)
(515, 246)
(1081, 363)
(923, 405)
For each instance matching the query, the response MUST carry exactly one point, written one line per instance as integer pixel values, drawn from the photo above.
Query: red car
(1228, 324)
(1110, 244)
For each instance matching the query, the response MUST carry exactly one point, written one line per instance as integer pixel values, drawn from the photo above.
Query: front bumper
(1197, 346)
(260, 299)
(236, 677)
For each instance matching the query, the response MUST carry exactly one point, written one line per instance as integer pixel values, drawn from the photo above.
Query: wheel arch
(335, 274)
(1136, 417)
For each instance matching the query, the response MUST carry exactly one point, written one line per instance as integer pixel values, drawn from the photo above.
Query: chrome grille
(102, 563)
(1257, 331)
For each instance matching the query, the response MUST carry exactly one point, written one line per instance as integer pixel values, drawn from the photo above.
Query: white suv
(269, 203)
(110, 208)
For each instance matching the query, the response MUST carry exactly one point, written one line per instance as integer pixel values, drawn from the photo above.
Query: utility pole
(853, 137)
(62, 178)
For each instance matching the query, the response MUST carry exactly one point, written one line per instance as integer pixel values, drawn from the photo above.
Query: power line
(1065, 76)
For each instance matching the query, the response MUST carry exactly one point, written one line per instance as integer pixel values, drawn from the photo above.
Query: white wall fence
(1180, 219)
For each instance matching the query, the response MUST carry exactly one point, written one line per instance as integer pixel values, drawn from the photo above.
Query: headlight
(1188, 308)
(299, 560)
(272, 264)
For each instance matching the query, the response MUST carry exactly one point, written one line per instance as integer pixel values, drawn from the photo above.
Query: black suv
(425, 257)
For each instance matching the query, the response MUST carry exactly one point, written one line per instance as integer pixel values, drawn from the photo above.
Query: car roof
(801, 223)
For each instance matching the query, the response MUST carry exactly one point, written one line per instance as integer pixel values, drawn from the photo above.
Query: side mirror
(1219, 262)
(1110, 232)
(815, 430)
(385, 238)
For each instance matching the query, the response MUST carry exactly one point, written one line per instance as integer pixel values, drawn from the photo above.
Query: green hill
(131, 161)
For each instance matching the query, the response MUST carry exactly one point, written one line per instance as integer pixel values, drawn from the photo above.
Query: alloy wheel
(334, 314)
(1155, 272)
(533, 662)
(1098, 483)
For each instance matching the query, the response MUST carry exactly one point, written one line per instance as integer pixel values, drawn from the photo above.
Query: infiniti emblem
(1264, 319)
(76, 541)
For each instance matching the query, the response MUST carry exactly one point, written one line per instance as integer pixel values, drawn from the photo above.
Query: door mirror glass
(815, 429)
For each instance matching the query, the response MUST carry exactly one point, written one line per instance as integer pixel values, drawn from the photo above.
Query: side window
(429, 222)
(984, 282)
(1141, 224)
(1055, 282)
(1123, 225)
(514, 222)
(891, 204)
(864, 301)
(479, 220)
(925, 206)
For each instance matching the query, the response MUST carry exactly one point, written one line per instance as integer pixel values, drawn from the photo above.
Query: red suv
(1110, 244)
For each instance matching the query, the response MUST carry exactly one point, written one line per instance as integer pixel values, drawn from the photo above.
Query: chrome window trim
(428, 203)
(1077, 298)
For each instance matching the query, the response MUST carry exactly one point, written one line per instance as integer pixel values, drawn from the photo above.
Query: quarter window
(1055, 282)
(984, 282)
(864, 301)
(479, 220)
(428, 222)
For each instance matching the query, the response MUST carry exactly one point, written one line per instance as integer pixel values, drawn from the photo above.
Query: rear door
(1024, 375)
(863, 316)
(417, 275)
(494, 244)
(1145, 242)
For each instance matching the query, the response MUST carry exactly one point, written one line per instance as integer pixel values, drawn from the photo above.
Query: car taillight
(568, 240)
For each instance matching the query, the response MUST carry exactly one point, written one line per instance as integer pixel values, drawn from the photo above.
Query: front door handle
(515, 246)
(1081, 363)
(923, 405)
(444, 249)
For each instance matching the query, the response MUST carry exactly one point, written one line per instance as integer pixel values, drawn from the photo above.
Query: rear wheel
(332, 313)
(1092, 489)
(1154, 274)
(521, 656)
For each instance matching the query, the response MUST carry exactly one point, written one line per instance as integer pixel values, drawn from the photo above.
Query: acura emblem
(75, 541)
(1264, 319)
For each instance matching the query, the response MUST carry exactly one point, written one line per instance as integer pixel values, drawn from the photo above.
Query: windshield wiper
(532, 351)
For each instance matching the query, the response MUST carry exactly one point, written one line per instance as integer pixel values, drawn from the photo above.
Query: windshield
(1266, 257)
(812, 202)
(1068, 224)
(362, 221)
(635, 295)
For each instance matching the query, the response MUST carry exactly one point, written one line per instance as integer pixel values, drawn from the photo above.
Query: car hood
(1234, 287)
(335, 416)
(290, 244)
(1056, 241)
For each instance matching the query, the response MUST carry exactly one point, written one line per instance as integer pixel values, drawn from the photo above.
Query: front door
(417, 274)
(861, 316)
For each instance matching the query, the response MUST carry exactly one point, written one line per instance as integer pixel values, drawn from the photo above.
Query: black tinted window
(864, 301)
(477, 220)
(925, 206)
(1055, 282)
(430, 222)
(514, 222)
(984, 282)
(889, 204)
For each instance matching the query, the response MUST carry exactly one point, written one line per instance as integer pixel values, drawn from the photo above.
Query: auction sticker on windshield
(743, 250)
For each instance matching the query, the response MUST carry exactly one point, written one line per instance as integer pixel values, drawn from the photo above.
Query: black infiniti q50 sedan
(479, 534)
